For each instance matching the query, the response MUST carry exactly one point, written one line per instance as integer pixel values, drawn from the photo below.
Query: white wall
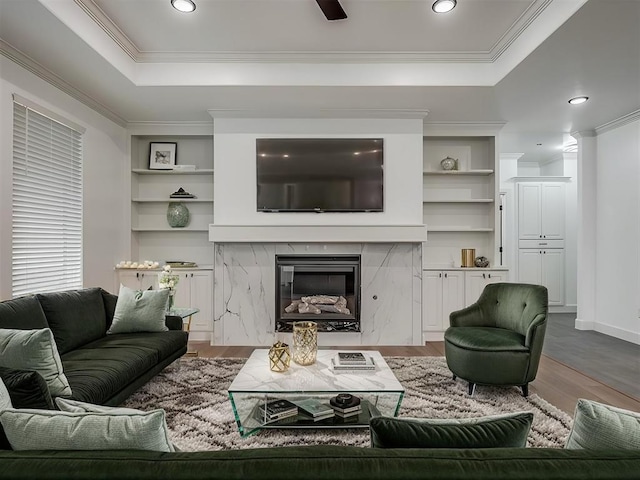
(235, 169)
(105, 241)
(618, 232)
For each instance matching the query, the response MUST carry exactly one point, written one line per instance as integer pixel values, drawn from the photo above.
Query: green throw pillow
(34, 350)
(140, 311)
(29, 429)
(74, 406)
(498, 431)
(600, 426)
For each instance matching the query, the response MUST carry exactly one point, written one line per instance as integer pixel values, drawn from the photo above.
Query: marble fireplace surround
(391, 280)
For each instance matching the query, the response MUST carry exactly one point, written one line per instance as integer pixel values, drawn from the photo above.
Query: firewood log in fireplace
(308, 308)
(320, 299)
(335, 309)
(293, 307)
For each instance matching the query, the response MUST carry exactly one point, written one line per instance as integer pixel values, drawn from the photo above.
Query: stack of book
(346, 406)
(352, 361)
(277, 410)
(315, 409)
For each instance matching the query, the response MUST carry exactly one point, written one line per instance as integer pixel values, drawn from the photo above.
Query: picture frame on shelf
(162, 156)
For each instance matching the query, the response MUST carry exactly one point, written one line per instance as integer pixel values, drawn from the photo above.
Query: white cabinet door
(129, 278)
(552, 205)
(202, 299)
(138, 280)
(529, 214)
(553, 274)
(543, 267)
(530, 266)
(432, 301)
(475, 281)
(182, 297)
(452, 294)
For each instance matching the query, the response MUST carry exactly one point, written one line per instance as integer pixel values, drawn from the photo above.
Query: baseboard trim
(610, 330)
(564, 309)
(584, 324)
(433, 336)
(617, 332)
(199, 336)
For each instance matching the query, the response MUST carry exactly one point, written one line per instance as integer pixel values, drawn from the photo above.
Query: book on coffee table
(351, 358)
(338, 366)
(277, 410)
(314, 408)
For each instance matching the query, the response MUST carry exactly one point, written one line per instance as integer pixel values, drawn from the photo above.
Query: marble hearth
(391, 290)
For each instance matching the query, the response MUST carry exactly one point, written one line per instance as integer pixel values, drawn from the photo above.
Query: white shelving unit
(461, 210)
(151, 236)
(460, 206)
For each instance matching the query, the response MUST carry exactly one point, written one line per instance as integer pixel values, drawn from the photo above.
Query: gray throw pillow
(5, 399)
(34, 350)
(139, 311)
(29, 429)
(600, 426)
(497, 431)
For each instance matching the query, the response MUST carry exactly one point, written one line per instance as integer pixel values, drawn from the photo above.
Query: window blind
(46, 203)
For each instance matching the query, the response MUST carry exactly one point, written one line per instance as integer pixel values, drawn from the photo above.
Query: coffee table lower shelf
(303, 421)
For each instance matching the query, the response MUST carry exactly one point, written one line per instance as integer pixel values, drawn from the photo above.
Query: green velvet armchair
(498, 340)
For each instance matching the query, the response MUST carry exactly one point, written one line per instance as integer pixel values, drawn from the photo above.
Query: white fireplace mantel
(317, 233)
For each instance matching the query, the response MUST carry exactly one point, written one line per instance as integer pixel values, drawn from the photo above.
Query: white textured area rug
(199, 414)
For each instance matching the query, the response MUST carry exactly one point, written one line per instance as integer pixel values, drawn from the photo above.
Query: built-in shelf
(459, 172)
(461, 200)
(458, 229)
(166, 200)
(169, 229)
(144, 171)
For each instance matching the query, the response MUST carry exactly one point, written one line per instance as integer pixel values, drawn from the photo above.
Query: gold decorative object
(305, 342)
(468, 257)
(279, 357)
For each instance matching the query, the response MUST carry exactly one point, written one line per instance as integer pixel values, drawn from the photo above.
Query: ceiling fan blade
(332, 9)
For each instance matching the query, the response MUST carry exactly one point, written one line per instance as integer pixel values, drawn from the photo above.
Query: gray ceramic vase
(177, 215)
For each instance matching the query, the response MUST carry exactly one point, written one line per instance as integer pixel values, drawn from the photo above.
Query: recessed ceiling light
(185, 6)
(443, 6)
(578, 100)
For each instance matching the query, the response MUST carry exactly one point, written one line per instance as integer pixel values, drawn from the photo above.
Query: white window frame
(47, 201)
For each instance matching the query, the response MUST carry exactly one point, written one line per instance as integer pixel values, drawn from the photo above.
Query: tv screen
(319, 174)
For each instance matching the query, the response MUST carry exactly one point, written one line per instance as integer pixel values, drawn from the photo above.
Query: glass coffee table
(255, 385)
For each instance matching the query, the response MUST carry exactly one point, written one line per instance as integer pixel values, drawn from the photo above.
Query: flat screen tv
(320, 174)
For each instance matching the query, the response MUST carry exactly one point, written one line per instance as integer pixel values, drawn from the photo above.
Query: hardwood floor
(559, 384)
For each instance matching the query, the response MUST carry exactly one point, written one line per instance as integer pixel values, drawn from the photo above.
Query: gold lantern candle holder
(305, 342)
(279, 357)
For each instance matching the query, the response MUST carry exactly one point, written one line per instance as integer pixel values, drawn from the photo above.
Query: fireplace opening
(320, 288)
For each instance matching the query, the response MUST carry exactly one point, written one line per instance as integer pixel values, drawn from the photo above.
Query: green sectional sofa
(325, 462)
(101, 369)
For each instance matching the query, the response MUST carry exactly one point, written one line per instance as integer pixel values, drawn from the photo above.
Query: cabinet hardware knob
(440, 275)
(137, 274)
(445, 275)
(489, 275)
(484, 275)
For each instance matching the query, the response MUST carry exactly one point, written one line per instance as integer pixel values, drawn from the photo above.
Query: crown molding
(101, 19)
(519, 26)
(511, 156)
(370, 113)
(618, 122)
(48, 76)
(583, 134)
(435, 129)
(111, 29)
(195, 128)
